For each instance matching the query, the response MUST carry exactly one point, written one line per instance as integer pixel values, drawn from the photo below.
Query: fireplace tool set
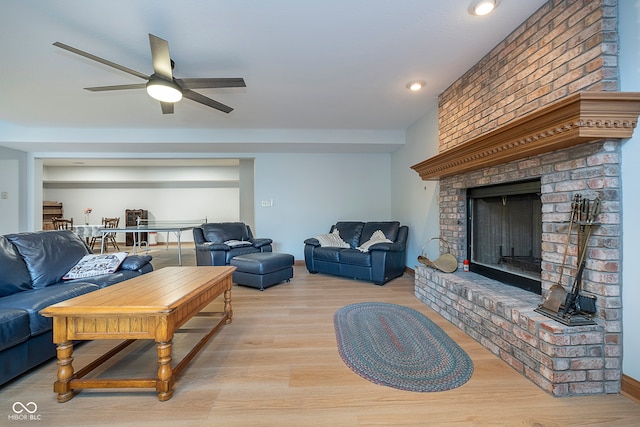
(574, 308)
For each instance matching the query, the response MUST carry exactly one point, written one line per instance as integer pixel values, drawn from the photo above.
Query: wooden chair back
(109, 238)
(111, 222)
(62, 223)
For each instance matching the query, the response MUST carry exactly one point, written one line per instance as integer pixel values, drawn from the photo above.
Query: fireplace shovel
(557, 294)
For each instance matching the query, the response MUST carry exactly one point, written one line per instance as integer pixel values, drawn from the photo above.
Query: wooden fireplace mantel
(577, 119)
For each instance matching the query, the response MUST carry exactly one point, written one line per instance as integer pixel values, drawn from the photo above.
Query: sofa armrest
(135, 262)
(387, 247)
(312, 241)
(259, 242)
(212, 246)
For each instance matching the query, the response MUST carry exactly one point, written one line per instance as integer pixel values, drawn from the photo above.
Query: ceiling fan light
(164, 91)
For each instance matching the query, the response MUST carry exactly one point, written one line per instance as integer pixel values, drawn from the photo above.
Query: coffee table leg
(65, 372)
(227, 306)
(164, 385)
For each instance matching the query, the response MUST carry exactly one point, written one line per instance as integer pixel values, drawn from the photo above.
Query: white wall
(167, 193)
(9, 196)
(310, 192)
(629, 25)
(414, 201)
(13, 180)
(162, 204)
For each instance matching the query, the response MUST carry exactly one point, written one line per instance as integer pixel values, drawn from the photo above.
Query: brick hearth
(561, 360)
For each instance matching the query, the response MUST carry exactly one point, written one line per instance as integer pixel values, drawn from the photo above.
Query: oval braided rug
(396, 346)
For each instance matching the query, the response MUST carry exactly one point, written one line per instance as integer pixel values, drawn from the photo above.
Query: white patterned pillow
(332, 240)
(95, 265)
(377, 237)
(237, 243)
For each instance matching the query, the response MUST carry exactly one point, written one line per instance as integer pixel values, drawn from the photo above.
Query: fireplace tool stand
(578, 309)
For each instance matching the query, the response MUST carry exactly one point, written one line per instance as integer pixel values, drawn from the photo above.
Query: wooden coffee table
(151, 306)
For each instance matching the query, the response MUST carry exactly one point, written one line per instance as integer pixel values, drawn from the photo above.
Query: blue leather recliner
(217, 243)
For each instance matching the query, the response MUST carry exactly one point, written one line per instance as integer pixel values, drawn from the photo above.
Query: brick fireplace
(541, 105)
(568, 146)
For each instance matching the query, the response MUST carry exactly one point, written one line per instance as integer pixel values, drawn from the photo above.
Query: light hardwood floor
(277, 365)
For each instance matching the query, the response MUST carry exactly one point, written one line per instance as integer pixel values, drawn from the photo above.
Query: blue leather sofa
(31, 269)
(218, 242)
(382, 262)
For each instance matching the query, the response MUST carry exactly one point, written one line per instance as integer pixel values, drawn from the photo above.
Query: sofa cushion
(135, 262)
(221, 232)
(34, 300)
(355, 257)
(48, 254)
(105, 280)
(350, 232)
(96, 265)
(14, 327)
(14, 275)
(389, 228)
(327, 254)
(241, 250)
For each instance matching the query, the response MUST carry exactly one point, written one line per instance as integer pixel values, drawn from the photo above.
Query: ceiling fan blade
(202, 83)
(167, 107)
(161, 57)
(194, 96)
(101, 60)
(116, 87)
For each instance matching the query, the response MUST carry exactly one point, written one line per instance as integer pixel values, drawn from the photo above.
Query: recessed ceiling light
(483, 7)
(415, 85)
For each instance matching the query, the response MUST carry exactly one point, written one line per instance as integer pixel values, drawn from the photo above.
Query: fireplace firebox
(504, 233)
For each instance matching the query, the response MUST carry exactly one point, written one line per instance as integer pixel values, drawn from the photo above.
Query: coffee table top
(160, 291)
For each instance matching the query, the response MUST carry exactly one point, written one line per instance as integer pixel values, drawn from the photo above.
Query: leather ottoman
(263, 269)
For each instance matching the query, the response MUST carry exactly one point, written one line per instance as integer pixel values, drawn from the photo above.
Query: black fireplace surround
(504, 233)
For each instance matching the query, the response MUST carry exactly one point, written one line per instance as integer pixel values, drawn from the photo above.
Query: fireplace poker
(572, 305)
(557, 293)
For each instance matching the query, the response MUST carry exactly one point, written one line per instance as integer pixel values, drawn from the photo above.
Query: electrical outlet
(4, 195)
(267, 203)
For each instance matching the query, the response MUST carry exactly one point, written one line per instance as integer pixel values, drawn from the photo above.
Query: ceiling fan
(162, 85)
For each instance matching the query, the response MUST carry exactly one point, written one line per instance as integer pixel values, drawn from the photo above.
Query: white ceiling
(317, 71)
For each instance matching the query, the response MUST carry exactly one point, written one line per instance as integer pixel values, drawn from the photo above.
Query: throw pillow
(237, 243)
(332, 240)
(377, 237)
(95, 265)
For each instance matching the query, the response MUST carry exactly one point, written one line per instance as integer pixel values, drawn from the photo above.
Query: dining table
(87, 231)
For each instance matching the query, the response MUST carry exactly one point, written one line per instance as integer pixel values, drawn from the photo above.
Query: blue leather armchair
(217, 243)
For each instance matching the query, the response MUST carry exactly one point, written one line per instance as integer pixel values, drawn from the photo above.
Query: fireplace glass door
(505, 233)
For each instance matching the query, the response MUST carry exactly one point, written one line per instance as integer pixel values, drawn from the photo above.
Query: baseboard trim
(630, 387)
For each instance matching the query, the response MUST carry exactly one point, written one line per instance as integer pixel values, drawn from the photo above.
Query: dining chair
(62, 223)
(109, 238)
